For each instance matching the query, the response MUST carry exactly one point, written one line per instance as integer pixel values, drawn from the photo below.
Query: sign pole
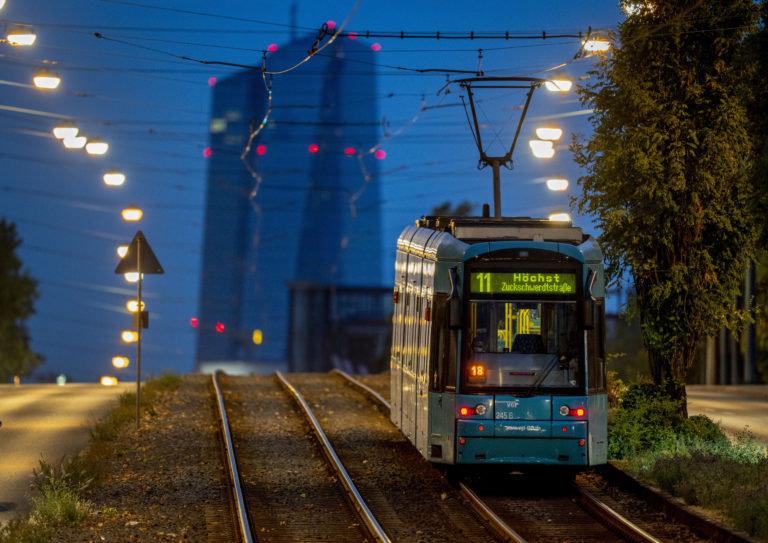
(138, 336)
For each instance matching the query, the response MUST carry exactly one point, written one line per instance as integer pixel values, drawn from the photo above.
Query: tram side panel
(411, 339)
(398, 325)
(425, 330)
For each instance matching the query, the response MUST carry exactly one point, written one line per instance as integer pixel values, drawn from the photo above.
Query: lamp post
(140, 259)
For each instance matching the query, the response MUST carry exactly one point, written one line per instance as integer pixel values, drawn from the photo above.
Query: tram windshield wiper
(535, 386)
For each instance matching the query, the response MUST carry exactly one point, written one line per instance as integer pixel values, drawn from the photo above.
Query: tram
(498, 345)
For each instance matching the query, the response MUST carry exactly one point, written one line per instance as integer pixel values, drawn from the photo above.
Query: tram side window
(596, 351)
(442, 360)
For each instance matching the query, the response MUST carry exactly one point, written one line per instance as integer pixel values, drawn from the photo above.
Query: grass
(691, 458)
(60, 485)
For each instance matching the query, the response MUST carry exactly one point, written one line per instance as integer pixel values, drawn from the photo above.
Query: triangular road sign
(139, 247)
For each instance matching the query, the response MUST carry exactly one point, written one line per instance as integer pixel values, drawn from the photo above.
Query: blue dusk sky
(132, 89)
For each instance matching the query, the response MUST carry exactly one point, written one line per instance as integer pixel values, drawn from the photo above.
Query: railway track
(284, 487)
(519, 510)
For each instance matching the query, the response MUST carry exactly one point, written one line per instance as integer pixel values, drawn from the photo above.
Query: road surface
(734, 407)
(46, 419)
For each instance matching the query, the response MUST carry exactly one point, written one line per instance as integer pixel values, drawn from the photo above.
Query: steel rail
(494, 522)
(364, 388)
(624, 526)
(500, 527)
(357, 500)
(242, 513)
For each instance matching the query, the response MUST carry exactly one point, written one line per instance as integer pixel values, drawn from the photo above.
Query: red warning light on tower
(313, 148)
(219, 327)
(193, 322)
(207, 152)
(349, 151)
(261, 149)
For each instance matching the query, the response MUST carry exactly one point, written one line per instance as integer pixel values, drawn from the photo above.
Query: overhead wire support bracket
(494, 82)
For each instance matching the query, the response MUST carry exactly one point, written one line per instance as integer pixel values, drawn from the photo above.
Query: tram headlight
(481, 409)
(564, 410)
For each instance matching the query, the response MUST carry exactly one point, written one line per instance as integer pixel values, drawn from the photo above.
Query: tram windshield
(529, 345)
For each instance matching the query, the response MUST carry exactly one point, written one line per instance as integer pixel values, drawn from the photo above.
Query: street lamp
(133, 306)
(596, 45)
(131, 277)
(65, 130)
(129, 336)
(120, 362)
(549, 133)
(560, 217)
(132, 213)
(122, 250)
(114, 178)
(557, 184)
(21, 36)
(46, 80)
(108, 381)
(75, 142)
(558, 85)
(96, 147)
(542, 148)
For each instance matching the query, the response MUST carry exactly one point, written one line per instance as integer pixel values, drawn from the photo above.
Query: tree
(445, 209)
(667, 171)
(18, 292)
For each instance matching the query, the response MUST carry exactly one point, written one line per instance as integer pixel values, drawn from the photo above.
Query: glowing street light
(96, 147)
(75, 142)
(542, 148)
(549, 133)
(20, 36)
(560, 217)
(46, 80)
(129, 336)
(120, 362)
(108, 381)
(122, 250)
(133, 306)
(558, 85)
(65, 130)
(114, 178)
(132, 213)
(557, 184)
(596, 45)
(131, 277)
(2, 3)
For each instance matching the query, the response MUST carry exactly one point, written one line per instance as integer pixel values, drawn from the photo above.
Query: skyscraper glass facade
(304, 208)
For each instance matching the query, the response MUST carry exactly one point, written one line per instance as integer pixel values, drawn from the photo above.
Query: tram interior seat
(528, 344)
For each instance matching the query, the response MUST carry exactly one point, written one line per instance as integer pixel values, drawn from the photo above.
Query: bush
(21, 531)
(646, 419)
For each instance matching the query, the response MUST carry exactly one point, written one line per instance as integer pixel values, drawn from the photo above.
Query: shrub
(646, 419)
(20, 531)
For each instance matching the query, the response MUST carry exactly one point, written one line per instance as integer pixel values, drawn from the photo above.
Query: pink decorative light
(272, 47)
(261, 149)
(352, 35)
(313, 148)
(376, 46)
(349, 151)
(381, 154)
(331, 24)
(211, 81)
(207, 152)
(219, 327)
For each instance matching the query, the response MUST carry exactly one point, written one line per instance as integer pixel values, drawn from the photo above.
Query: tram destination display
(523, 282)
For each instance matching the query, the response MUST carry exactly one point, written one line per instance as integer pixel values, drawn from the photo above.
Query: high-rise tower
(309, 214)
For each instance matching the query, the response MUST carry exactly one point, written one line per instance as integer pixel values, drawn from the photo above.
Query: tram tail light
(466, 411)
(566, 411)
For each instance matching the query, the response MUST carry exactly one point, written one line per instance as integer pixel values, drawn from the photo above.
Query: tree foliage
(18, 292)
(668, 169)
(446, 209)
